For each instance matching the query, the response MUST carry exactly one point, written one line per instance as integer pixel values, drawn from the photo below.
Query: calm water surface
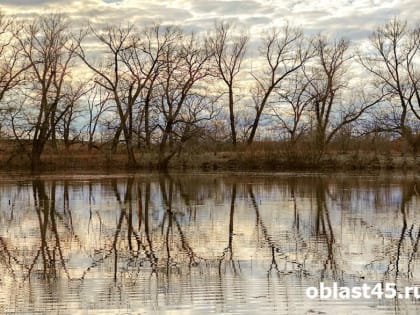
(205, 243)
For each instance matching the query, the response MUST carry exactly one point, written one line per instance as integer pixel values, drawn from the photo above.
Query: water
(236, 243)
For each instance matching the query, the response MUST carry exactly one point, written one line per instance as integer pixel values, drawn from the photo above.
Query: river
(206, 243)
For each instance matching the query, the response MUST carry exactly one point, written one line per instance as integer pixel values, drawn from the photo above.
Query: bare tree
(228, 53)
(293, 102)
(130, 73)
(393, 62)
(327, 82)
(47, 45)
(97, 100)
(331, 110)
(73, 94)
(186, 63)
(284, 51)
(12, 65)
(145, 60)
(113, 75)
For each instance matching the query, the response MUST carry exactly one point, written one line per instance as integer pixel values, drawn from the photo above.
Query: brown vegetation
(369, 153)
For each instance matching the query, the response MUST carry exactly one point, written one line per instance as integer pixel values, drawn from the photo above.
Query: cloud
(357, 27)
(29, 2)
(351, 18)
(230, 7)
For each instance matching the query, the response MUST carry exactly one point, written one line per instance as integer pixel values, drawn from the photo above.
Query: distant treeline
(161, 88)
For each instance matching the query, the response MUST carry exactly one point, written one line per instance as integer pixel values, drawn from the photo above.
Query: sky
(353, 19)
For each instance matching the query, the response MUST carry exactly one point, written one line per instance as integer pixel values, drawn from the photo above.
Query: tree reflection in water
(178, 234)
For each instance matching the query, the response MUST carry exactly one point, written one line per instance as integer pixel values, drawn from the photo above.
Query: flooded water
(206, 243)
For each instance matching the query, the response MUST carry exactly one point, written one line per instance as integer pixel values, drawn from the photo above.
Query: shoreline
(222, 161)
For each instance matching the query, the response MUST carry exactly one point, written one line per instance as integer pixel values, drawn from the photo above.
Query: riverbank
(235, 160)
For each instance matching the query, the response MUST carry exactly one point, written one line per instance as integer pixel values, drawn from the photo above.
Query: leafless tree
(96, 102)
(48, 46)
(185, 64)
(113, 75)
(145, 61)
(130, 72)
(228, 54)
(331, 110)
(393, 62)
(74, 92)
(12, 65)
(284, 51)
(292, 106)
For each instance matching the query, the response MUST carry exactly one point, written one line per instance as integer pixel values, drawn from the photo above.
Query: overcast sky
(354, 19)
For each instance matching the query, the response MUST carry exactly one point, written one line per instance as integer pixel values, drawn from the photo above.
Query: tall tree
(228, 53)
(284, 51)
(331, 110)
(393, 60)
(291, 109)
(74, 92)
(130, 72)
(185, 64)
(12, 65)
(97, 104)
(145, 61)
(49, 49)
(113, 75)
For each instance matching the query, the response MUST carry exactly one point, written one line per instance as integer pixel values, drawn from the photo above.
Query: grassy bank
(260, 156)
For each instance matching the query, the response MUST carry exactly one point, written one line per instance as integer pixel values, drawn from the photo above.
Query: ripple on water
(213, 244)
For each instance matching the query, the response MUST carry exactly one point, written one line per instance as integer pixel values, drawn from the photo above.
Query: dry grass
(259, 156)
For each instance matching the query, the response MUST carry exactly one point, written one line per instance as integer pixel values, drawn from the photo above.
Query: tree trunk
(163, 158)
(53, 131)
(37, 148)
(116, 139)
(258, 115)
(66, 137)
(147, 123)
(90, 143)
(254, 127)
(320, 144)
(232, 116)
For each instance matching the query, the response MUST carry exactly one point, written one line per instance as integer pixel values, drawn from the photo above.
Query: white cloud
(354, 19)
